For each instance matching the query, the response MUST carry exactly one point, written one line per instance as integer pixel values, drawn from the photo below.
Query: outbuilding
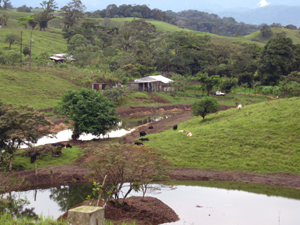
(152, 83)
(61, 57)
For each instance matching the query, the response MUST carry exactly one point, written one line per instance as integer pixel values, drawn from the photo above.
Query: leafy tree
(228, 83)
(24, 8)
(141, 30)
(21, 125)
(266, 31)
(22, 20)
(5, 4)
(11, 38)
(71, 13)
(44, 17)
(204, 106)
(4, 19)
(90, 111)
(123, 164)
(276, 59)
(31, 20)
(208, 81)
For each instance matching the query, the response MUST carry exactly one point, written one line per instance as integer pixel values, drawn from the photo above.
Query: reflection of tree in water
(16, 206)
(68, 196)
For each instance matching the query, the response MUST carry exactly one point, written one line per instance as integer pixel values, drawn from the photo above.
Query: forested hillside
(122, 49)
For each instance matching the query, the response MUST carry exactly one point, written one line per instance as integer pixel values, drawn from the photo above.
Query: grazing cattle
(62, 144)
(175, 127)
(138, 143)
(189, 134)
(33, 157)
(182, 131)
(144, 139)
(142, 133)
(240, 107)
(150, 127)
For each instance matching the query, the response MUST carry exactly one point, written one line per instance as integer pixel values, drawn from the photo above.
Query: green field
(261, 138)
(293, 34)
(36, 88)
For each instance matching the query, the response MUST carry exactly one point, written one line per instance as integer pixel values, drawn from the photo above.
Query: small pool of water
(193, 204)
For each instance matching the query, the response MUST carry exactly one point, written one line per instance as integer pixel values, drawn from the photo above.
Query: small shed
(152, 83)
(98, 86)
(61, 57)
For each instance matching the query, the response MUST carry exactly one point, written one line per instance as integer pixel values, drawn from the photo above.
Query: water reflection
(126, 125)
(193, 204)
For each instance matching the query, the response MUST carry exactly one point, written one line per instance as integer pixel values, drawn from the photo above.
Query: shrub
(204, 106)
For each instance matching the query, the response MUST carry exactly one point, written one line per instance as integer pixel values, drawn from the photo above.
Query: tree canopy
(204, 106)
(90, 112)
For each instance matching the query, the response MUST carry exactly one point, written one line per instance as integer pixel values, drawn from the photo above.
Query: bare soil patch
(143, 211)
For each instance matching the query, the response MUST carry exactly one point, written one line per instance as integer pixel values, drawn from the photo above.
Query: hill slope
(41, 90)
(259, 138)
(293, 34)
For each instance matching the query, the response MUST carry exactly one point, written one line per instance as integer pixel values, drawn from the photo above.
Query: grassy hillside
(293, 34)
(39, 89)
(50, 41)
(260, 138)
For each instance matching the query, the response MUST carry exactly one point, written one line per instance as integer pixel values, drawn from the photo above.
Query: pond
(125, 126)
(209, 203)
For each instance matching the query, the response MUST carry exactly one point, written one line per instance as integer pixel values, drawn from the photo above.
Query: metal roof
(62, 57)
(151, 79)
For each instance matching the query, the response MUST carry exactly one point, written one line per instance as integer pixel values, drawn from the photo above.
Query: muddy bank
(143, 211)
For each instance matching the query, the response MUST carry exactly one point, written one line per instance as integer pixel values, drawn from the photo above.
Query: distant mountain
(268, 14)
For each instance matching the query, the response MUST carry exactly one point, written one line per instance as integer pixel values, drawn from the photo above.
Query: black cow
(138, 143)
(142, 133)
(62, 144)
(33, 156)
(150, 127)
(144, 139)
(175, 127)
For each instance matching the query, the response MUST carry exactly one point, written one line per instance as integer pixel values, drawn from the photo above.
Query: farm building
(98, 86)
(61, 57)
(152, 83)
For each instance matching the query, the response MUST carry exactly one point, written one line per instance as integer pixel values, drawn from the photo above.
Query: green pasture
(36, 88)
(260, 138)
(68, 156)
(293, 34)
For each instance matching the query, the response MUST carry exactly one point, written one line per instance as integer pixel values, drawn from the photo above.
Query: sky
(174, 5)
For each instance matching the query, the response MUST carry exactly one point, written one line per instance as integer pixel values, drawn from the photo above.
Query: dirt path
(76, 173)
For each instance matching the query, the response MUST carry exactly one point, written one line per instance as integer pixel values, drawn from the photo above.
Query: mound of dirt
(143, 211)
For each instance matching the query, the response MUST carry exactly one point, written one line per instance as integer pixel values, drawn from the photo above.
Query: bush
(204, 106)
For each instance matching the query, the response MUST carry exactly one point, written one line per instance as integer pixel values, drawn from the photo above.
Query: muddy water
(194, 204)
(125, 126)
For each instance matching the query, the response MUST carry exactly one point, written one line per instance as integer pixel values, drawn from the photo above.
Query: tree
(266, 31)
(22, 20)
(31, 20)
(5, 4)
(44, 17)
(71, 13)
(90, 111)
(204, 106)
(4, 19)
(208, 81)
(135, 165)
(20, 125)
(276, 60)
(228, 83)
(11, 38)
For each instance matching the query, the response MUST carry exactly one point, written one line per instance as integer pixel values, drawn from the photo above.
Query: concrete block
(86, 215)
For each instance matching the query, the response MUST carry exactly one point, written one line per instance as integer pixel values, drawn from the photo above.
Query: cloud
(263, 3)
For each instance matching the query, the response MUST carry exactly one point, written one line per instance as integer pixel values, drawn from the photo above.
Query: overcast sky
(174, 5)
